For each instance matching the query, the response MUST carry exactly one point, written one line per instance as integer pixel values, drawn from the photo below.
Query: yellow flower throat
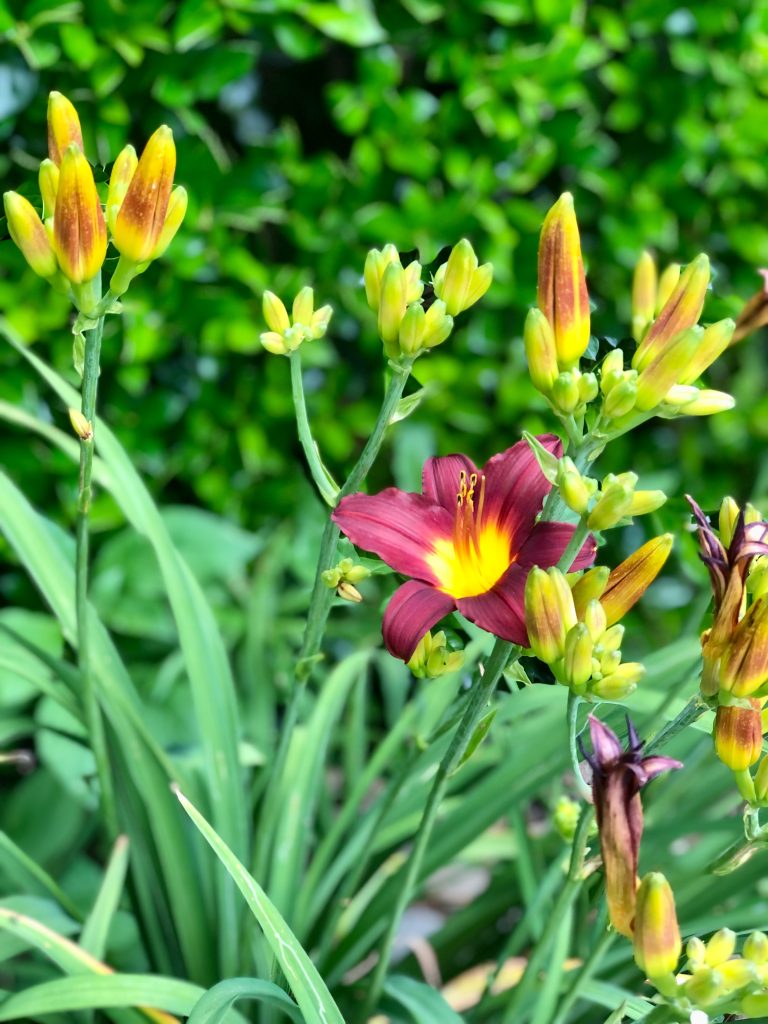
(478, 554)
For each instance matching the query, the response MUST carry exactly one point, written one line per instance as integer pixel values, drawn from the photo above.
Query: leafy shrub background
(308, 132)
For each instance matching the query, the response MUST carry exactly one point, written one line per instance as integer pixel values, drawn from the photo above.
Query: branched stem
(324, 482)
(573, 720)
(93, 716)
(322, 599)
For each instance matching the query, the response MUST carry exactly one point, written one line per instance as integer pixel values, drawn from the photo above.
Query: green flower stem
(573, 718)
(324, 482)
(560, 911)
(585, 973)
(483, 690)
(320, 606)
(93, 717)
(503, 652)
(693, 710)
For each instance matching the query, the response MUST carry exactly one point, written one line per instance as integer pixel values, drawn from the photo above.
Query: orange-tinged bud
(738, 735)
(681, 311)
(631, 578)
(175, 214)
(63, 127)
(123, 170)
(28, 232)
(140, 220)
(562, 291)
(644, 290)
(667, 284)
(657, 939)
(79, 231)
(744, 665)
(48, 178)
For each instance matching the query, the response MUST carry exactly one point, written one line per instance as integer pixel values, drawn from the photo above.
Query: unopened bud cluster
(614, 502)
(735, 648)
(672, 349)
(286, 333)
(68, 247)
(434, 657)
(344, 577)
(716, 980)
(407, 326)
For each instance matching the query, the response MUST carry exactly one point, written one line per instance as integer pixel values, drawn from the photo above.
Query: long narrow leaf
(213, 1006)
(96, 929)
(310, 990)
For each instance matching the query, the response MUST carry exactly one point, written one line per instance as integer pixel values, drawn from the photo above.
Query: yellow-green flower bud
(612, 506)
(695, 950)
(620, 683)
(720, 947)
(460, 282)
(29, 234)
(644, 292)
(63, 127)
(664, 370)
(331, 577)
(566, 817)
(644, 502)
(755, 1006)
(761, 782)
(540, 351)
(727, 519)
(714, 341)
(587, 388)
(319, 323)
(612, 638)
(595, 620)
(577, 656)
(667, 284)
(708, 403)
(303, 307)
(589, 588)
(433, 659)
(348, 592)
(392, 307)
(81, 426)
(703, 987)
(756, 947)
(737, 974)
(657, 942)
(611, 370)
(48, 179)
(680, 312)
(575, 489)
(437, 325)
(549, 613)
(275, 313)
(621, 399)
(273, 343)
(376, 263)
(565, 392)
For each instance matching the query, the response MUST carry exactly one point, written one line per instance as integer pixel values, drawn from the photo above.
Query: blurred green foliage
(310, 131)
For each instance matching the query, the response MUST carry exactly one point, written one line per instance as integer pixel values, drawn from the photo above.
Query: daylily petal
(546, 544)
(440, 478)
(399, 527)
(605, 742)
(501, 610)
(515, 488)
(655, 765)
(414, 609)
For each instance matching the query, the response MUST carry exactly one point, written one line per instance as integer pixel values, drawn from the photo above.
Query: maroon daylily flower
(468, 541)
(617, 778)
